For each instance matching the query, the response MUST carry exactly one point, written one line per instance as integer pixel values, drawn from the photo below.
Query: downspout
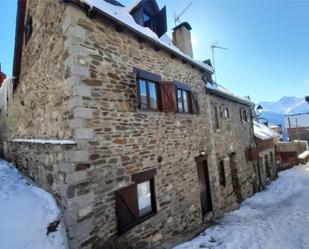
(19, 39)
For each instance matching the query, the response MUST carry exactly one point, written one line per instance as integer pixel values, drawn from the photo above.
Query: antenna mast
(177, 17)
(213, 47)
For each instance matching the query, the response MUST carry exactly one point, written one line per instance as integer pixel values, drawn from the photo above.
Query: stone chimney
(182, 38)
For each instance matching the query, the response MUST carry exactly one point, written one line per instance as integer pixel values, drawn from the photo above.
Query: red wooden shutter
(168, 101)
(126, 207)
(195, 107)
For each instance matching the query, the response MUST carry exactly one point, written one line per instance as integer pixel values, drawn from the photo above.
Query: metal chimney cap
(184, 24)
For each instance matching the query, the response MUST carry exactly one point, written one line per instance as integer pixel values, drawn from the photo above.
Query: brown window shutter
(195, 107)
(167, 97)
(126, 207)
(240, 113)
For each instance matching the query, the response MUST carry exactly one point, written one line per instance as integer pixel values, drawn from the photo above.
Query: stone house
(233, 136)
(130, 134)
(265, 154)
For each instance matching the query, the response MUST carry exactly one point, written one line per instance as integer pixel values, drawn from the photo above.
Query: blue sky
(267, 41)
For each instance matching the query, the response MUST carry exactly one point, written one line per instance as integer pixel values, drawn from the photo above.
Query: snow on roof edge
(133, 5)
(45, 141)
(216, 87)
(121, 15)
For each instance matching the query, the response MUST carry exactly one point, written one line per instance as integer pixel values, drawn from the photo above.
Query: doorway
(203, 179)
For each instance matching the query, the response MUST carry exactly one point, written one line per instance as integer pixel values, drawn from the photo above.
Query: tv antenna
(213, 47)
(177, 17)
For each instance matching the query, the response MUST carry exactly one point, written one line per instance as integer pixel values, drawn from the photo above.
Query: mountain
(274, 111)
(286, 105)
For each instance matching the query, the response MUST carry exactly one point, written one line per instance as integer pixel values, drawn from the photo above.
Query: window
(216, 120)
(182, 100)
(136, 203)
(226, 113)
(28, 29)
(221, 173)
(144, 198)
(148, 94)
(243, 115)
(147, 89)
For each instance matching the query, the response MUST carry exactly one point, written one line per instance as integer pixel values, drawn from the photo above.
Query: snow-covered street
(276, 218)
(26, 212)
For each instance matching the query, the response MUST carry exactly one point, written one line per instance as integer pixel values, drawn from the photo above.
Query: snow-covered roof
(131, 6)
(122, 15)
(222, 91)
(263, 132)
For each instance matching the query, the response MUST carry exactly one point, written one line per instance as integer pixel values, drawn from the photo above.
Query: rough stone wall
(40, 104)
(77, 82)
(43, 107)
(45, 164)
(233, 136)
(122, 140)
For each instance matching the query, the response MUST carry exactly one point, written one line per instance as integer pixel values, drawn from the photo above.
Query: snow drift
(26, 212)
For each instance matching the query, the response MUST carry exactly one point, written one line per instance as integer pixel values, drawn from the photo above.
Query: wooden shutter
(195, 107)
(161, 22)
(240, 113)
(252, 154)
(126, 207)
(167, 95)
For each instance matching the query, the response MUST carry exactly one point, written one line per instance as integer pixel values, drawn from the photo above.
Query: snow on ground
(276, 218)
(25, 213)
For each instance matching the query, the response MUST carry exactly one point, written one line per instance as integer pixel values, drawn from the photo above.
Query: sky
(267, 41)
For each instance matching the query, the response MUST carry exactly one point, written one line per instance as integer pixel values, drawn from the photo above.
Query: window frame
(147, 83)
(227, 111)
(182, 100)
(244, 115)
(141, 177)
(184, 88)
(148, 77)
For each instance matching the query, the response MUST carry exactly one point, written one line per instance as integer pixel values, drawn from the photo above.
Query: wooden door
(203, 178)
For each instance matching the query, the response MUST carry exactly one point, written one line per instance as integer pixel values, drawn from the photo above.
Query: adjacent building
(130, 134)
(265, 153)
(297, 126)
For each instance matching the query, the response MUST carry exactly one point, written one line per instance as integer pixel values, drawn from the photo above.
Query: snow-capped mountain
(286, 105)
(274, 111)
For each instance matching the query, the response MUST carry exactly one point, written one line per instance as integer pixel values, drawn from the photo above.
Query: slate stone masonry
(77, 83)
